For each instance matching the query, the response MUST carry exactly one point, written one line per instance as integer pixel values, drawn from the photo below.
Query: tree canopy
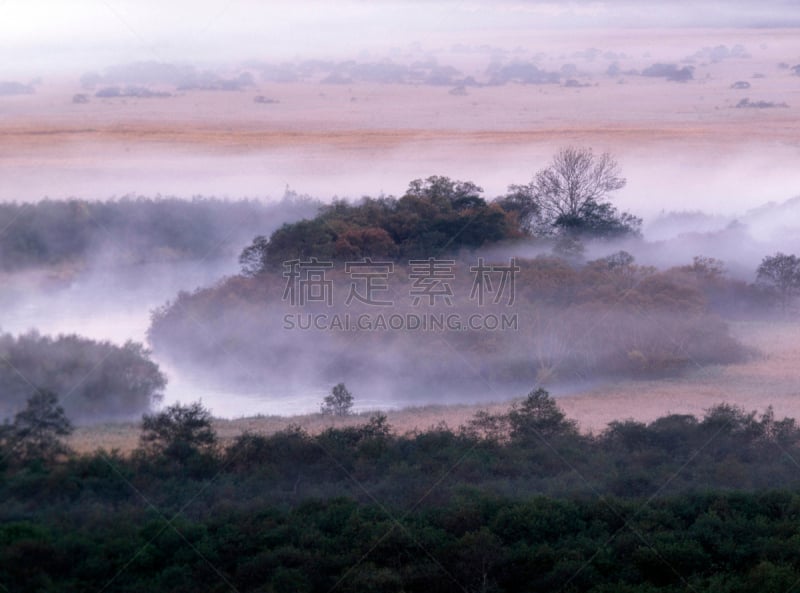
(434, 216)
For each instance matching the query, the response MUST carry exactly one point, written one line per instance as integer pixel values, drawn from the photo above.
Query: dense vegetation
(720, 542)
(511, 502)
(436, 216)
(134, 230)
(608, 317)
(96, 380)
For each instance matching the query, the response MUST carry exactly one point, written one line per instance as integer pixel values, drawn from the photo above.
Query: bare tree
(574, 179)
(571, 195)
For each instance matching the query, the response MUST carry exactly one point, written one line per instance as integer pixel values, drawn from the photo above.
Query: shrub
(179, 432)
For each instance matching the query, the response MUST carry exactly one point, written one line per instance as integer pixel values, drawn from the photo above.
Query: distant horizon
(47, 36)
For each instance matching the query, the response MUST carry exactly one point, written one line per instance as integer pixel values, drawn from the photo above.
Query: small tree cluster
(537, 417)
(178, 432)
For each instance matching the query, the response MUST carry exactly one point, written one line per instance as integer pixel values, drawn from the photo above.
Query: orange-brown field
(351, 139)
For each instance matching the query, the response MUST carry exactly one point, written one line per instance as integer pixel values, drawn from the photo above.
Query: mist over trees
(135, 229)
(95, 381)
(781, 273)
(644, 323)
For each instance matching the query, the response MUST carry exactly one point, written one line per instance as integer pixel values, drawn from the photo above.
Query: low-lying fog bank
(702, 121)
(108, 297)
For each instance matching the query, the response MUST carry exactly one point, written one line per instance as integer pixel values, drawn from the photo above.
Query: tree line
(134, 229)
(506, 502)
(98, 381)
(532, 447)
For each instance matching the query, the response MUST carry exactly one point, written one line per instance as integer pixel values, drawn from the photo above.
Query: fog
(251, 99)
(45, 34)
(252, 365)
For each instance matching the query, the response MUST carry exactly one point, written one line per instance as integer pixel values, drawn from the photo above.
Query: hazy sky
(45, 35)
